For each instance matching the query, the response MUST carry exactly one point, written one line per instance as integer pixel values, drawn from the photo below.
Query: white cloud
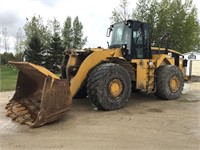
(92, 13)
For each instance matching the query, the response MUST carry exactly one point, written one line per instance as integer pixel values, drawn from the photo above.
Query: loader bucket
(40, 96)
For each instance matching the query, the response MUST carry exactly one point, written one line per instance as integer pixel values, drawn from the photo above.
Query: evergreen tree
(191, 29)
(56, 50)
(162, 23)
(180, 19)
(37, 39)
(142, 10)
(152, 18)
(146, 11)
(34, 50)
(67, 33)
(78, 40)
(174, 16)
(198, 46)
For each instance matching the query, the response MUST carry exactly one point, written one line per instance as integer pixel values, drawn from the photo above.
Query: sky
(94, 14)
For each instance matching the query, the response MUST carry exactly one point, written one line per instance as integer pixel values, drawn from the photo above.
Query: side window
(137, 39)
(146, 37)
(127, 38)
(141, 40)
(119, 35)
(134, 36)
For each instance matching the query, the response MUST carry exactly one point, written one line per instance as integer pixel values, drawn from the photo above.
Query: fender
(90, 62)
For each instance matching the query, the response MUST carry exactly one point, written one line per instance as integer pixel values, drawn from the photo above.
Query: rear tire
(109, 86)
(169, 82)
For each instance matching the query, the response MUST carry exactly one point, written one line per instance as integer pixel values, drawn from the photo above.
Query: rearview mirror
(109, 30)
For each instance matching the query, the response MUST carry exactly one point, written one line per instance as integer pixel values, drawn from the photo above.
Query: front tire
(109, 86)
(169, 82)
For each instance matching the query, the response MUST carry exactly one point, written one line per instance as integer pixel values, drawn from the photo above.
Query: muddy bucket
(40, 96)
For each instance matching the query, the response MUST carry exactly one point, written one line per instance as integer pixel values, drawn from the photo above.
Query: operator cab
(133, 37)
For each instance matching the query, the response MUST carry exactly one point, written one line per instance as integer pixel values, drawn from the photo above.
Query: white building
(193, 64)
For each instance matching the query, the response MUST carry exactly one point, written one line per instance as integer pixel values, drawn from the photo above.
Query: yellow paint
(115, 88)
(159, 59)
(91, 61)
(163, 49)
(40, 69)
(183, 69)
(145, 73)
(174, 84)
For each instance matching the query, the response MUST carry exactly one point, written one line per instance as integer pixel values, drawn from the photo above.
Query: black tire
(165, 75)
(100, 81)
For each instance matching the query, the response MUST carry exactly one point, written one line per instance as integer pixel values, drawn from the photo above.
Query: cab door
(141, 41)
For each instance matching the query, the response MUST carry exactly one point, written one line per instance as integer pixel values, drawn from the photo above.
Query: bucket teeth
(32, 107)
(13, 116)
(40, 96)
(18, 105)
(9, 112)
(17, 109)
(24, 119)
(24, 112)
(27, 102)
(29, 123)
(9, 108)
(20, 120)
(8, 105)
(27, 116)
(20, 111)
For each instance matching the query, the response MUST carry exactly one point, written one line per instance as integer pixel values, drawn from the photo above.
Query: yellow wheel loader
(106, 76)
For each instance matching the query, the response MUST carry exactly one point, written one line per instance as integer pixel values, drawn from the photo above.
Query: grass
(8, 78)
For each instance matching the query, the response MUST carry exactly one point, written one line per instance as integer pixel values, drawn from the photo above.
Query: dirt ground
(145, 123)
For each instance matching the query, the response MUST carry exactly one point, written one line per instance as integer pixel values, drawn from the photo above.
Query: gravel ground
(145, 123)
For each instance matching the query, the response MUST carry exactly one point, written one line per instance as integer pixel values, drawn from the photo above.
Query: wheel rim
(115, 88)
(174, 84)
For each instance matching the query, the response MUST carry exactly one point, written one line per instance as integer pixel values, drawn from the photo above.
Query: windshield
(120, 34)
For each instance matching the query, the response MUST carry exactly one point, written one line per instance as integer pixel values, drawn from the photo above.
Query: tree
(142, 10)
(174, 16)
(34, 50)
(5, 40)
(0, 40)
(198, 46)
(67, 33)
(78, 40)
(191, 29)
(162, 23)
(180, 19)
(19, 45)
(146, 11)
(120, 13)
(56, 50)
(37, 39)
(5, 57)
